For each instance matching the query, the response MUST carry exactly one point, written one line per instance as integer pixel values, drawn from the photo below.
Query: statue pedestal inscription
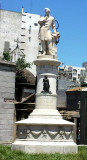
(45, 131)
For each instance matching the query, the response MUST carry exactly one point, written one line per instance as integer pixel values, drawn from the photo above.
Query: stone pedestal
(45, 131)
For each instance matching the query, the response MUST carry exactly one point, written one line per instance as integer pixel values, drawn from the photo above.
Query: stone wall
(7, 96)
(63, 86)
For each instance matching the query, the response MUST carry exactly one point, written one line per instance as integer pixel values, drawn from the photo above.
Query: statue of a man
(46, 36)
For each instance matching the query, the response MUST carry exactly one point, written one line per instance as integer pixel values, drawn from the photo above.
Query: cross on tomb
(17, 40)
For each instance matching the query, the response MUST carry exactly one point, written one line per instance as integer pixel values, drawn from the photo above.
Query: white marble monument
(45, 131)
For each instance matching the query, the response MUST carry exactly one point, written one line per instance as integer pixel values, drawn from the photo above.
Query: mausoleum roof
(29, 77)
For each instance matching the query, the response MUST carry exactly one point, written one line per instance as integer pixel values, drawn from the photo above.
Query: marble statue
(48, 39)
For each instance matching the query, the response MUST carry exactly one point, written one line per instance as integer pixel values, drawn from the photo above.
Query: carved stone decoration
(51, 133)
(27, 134)
(21, 132)
(44, 134)
(68, 132)
(36, 131)
(61, 135)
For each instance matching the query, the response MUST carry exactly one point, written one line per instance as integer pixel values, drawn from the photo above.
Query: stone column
(46, 101)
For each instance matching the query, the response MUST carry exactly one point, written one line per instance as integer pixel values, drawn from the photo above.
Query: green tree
(21, 64)
(6, 55)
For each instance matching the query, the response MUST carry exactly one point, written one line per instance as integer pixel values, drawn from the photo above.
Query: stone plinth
(45, 136)
(45, 147)
(45, 131)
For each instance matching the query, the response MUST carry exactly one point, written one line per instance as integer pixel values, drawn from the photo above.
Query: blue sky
(72, 18)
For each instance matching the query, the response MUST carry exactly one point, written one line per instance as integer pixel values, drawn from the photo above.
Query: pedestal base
(45, 136)
(45, 147)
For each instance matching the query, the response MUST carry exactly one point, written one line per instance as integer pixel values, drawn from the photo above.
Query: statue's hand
(58, 34)
(42, 20)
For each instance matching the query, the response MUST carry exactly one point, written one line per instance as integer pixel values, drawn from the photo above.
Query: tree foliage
(6, 55)
(21, 64)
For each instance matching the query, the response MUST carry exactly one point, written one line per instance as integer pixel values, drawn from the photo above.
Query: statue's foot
(50, 53)
(44, 53)
(39, 54)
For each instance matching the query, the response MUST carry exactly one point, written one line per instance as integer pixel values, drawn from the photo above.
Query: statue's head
(45, 77)
(47, 11)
